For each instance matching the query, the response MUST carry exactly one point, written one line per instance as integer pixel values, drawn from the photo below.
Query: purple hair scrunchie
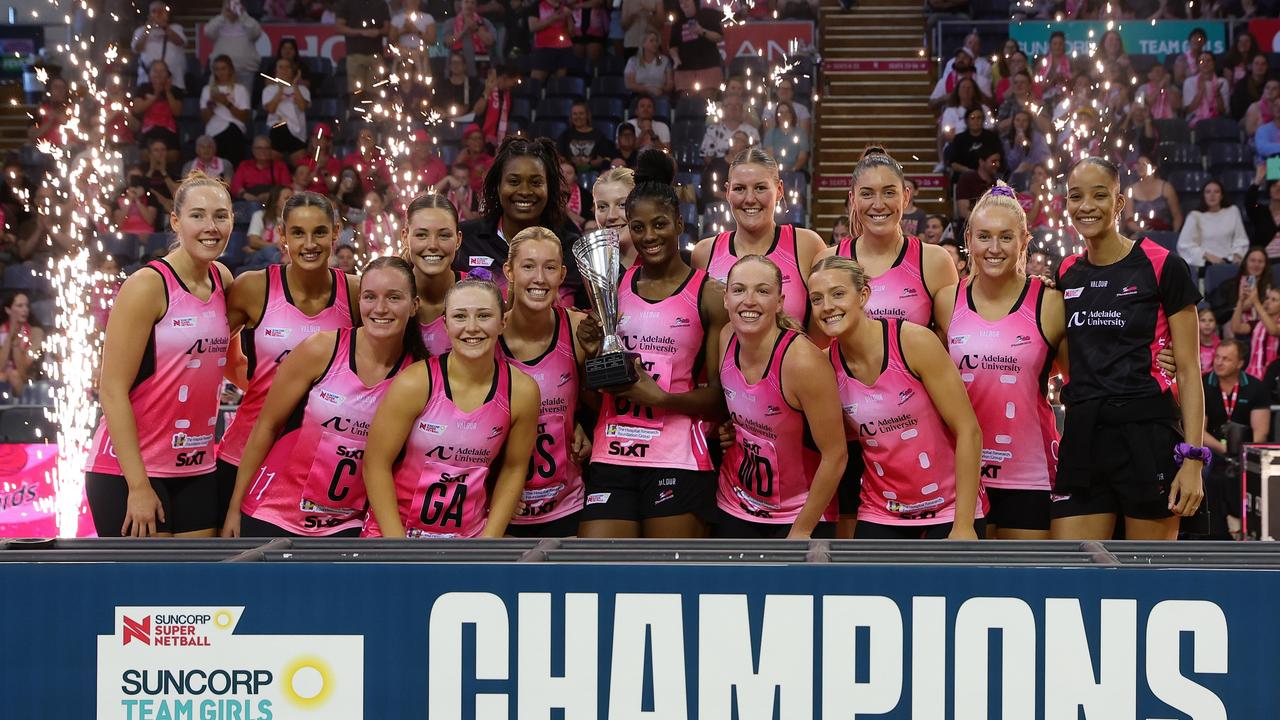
(1004, 191)
(480, 274)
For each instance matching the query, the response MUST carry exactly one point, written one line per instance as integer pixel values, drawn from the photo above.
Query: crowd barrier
(576, 629)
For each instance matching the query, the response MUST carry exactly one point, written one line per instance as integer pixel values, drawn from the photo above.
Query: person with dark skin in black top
(522, 189)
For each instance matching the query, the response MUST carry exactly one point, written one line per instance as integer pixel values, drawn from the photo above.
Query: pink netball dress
(795, 294)
(1005, 366)
(898, 292)
(175, 395)
(442, 480)
(312, 480)
(434, 335)
(910, 478)
(765, 476)
(282, 327)
(554, 486)
(668, 335)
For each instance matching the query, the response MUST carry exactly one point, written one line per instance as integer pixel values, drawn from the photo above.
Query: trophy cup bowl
(596, 254)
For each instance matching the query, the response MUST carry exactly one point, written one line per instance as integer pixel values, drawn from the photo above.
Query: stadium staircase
(876, 84)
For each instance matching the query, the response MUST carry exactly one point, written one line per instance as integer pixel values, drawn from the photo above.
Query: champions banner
(27, 493)
(1140, 37)
(262, 641)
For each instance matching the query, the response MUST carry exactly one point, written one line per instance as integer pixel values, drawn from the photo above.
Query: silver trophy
(597, 256)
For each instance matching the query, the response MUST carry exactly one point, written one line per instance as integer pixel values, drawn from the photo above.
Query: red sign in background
(1267, 32)
(27, 496)
(772, 40)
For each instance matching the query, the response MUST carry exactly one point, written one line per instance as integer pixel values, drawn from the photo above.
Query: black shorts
(225, 473)
(551, 59)
(253, 527)
(731, 526)
(285, 142)
(1116, 485)
(190, 503)
(849, 491)
(619, 492)
(868, 530)
(1019, 509)
(566, 526)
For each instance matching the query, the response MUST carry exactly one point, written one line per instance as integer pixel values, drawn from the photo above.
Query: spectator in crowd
(982, 66)
(413, 93)
(1264, 216)
(1254, 271)
(786, 92)
(16, 191)
(552, 29)
(1209, 337)
(1021, 98)
(651, 132)
(695, 34)
(715, 171)
(974, 183)
(413, 30)
(21, 341)
(364, 24)
(498, 105)
(262, 247)
(1239, 59)
(1266, 141)
(585, 147)
(1016, 63)
(964, 97)
(224, 106)
(159, 174)
(965, 151)
(286, 103)
(839, 232)
(234, 33)
(1153, 203)
(626, 146)
(1039, 200)
(319, 157)
(719, 136)
(52, 113)
(1053, 71)
(458, 187)
(736, 87)
(590, 28)
(573, 193)
(208, 162)
(1204, 95)
(368, 161)
(475, 155)
(934, 226)
(304, 180)
(1139, 135)
(121, 125)
(287, 49)
(349, 195)
(136, 209)
(787, 141)
(1160, 94)
(1110, 54)
(378, 234)
(962, 68)
(1024, 146)
(470, 35)
(158, 103)
(428, 169)
(913, 218)
(1250, 87)
(344, 258)
(1214, 234)
(458, 95)
(160, 39)
(639, 18)
(958, 256)
(256, 176)
(649, 71)
(1264, 335)
(1259, 113)
(1230, 396)
(1196, 40)
(1039, 265)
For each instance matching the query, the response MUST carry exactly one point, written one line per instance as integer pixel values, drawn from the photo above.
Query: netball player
(905, 275)
(1123, 452)
(779, 478)
(651, 472)
(904, 401)
(430, 239)
(539, 340)
(1004, 330)
(151, 468)
(460, 429)
(301, 470)
(609, 195)
(752, 189)
(278, 307)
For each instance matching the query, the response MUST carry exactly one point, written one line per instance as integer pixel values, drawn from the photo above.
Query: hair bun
(655, 166)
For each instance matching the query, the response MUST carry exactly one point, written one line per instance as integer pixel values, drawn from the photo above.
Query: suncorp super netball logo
(187, 663)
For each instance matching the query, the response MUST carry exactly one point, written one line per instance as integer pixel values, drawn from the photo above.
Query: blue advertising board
(257, 641)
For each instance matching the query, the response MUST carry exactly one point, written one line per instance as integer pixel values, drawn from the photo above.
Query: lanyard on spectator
(1229, 401)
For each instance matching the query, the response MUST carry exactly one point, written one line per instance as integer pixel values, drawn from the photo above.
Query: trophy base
(611, 370)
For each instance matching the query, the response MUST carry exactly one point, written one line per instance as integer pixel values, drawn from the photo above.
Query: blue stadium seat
(1189, 181)
(688, 131)
(691, 108)
(989, 9)
(607, 127)
(611, 65)
(661, 109)
(20, 277)
(1221, 129)
(795, 215)
(1172, 157)
(754, 65)
(578, 67)
(568, 86)
(691, 179)
(608, 86)
(448, 132)
(158, 243)
(1236, 181)
(1142, 64)
(1226, 155)
(26, 425)
(689, 213)
(448, 153)
(554, 109)
(323, 109)
(1166, 239)
(521, 109)
(586, 181)
(1215, 275)
(191, 107)
(1173, 130)
(123, 247)
(528, 88)
(548, 128)
(608, 108)
(233, 256)
(44, 312)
